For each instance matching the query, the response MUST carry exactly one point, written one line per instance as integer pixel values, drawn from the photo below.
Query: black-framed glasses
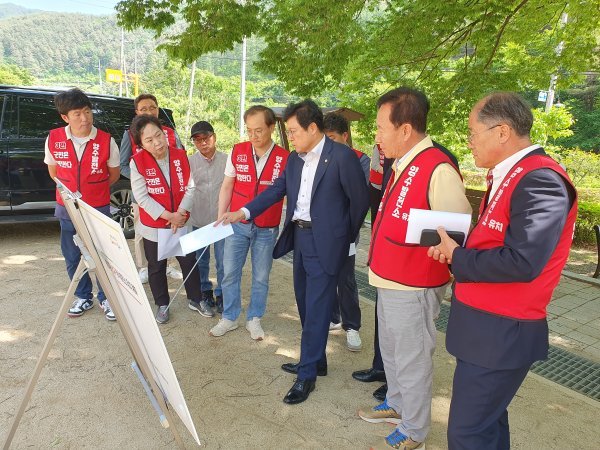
(202, 139)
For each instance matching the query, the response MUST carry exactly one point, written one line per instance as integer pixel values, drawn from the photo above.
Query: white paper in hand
(204, 236)
(168, 242)
(424, 219)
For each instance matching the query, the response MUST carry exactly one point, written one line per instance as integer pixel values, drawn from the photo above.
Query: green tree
(357, 49)
(15, 75)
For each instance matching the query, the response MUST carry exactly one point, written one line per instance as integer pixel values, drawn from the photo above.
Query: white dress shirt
(502, 168)
(309, 170)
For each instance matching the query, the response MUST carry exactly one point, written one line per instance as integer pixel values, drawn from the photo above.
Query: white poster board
(111, 245)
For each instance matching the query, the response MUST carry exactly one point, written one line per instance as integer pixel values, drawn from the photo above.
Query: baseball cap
(202, 127)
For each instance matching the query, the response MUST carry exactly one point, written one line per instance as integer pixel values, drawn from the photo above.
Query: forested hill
(10, 10)
(50, 43)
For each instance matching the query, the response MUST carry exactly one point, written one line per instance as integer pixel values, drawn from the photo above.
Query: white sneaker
(353, 341)
(172, 272)
(223, 327)
(108, 312)
(335, 326)
(256, 331)
(143, 274)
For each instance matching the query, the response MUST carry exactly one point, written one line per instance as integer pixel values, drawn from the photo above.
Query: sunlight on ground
(289, 316)
(56, 259)
(557, 407)
(294, 354)
(561, 341)
(440, 408)
(271, 340)
(19, 259)
(58, 294)
(13, 335)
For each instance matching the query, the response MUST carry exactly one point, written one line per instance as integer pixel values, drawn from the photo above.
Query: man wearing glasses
(251, 167)
(208, 167)
(144, 104)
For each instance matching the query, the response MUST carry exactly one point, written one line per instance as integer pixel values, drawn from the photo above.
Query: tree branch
(501, 32)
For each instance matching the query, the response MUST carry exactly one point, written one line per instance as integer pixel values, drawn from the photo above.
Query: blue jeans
(260, 241)
(72, 257)
(204, 266)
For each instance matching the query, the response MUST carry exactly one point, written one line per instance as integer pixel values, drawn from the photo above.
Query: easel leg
(60, 317)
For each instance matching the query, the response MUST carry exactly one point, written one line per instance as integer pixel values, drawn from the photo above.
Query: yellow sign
(114, 76)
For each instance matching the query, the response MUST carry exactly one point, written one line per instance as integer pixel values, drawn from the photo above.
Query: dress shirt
(502, 168)
(151, 206)
(446, 193)
(311, 161)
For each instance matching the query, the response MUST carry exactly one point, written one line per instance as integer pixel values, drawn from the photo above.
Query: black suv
(26, 116)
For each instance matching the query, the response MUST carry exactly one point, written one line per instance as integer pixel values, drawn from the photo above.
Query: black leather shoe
(380, 392)
(299, 391)
(293, 368)
(369, 375)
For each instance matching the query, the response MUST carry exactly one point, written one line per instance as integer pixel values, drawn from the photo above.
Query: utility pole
(122, 62)
(243, 88)
(190, 95)
(554, 77)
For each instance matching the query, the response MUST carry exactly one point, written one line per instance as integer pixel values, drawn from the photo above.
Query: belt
(303, 223)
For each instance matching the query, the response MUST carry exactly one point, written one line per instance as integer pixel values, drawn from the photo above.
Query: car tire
(120, 206)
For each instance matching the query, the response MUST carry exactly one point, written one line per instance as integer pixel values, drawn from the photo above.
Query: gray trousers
(407, 340)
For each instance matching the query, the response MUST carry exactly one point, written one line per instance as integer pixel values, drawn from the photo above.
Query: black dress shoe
(380, 392)
(299, 391)
(369, 375)
(293, 368)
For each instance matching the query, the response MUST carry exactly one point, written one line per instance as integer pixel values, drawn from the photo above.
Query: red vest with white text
(169, 133)
(168, 196)
(247, 185)
(390, 257)
(90, 175)
(515, 300)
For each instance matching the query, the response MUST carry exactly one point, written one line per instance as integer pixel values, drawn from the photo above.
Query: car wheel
(120, 208)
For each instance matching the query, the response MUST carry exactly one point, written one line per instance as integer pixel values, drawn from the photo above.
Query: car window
(37, 116)
(113, 119)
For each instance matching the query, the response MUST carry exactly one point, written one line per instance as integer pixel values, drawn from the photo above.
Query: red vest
(248, 185)
(515, 300)
(90, 175)
(390, 257)
(358, 153)
(168, 196)
(169, 133)
(376, 177)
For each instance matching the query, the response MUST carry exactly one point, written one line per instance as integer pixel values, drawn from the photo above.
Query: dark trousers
(315, 296)
(478, 417)
(157, 275)
(377, 361)
(347, 308)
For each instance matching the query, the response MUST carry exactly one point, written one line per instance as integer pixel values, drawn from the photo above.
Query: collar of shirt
(502, 168)
(209, 160)
(92, 134)
(315, 152)
(266, 154)
(419, 147)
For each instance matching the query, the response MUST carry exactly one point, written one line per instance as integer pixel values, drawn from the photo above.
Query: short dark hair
(267, 112)
(139, 123)
(306, 112)
(335, 122)
(408, 106)
(141, 97)
(71, 99)
(507, 107)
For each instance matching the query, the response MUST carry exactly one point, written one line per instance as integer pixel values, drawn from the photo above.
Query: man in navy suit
(506, 273)
(327, 201)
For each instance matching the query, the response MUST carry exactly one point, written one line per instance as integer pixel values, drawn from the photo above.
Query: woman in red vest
(163, 188)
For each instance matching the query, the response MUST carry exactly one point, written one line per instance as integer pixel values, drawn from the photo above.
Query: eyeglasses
(290, 133)
(147, 110)
(202, 140)
(472, 135)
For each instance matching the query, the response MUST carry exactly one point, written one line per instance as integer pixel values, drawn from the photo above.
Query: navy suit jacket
(338, 206)
(538, 211)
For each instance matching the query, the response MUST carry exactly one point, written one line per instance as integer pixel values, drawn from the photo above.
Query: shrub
(587, 216)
